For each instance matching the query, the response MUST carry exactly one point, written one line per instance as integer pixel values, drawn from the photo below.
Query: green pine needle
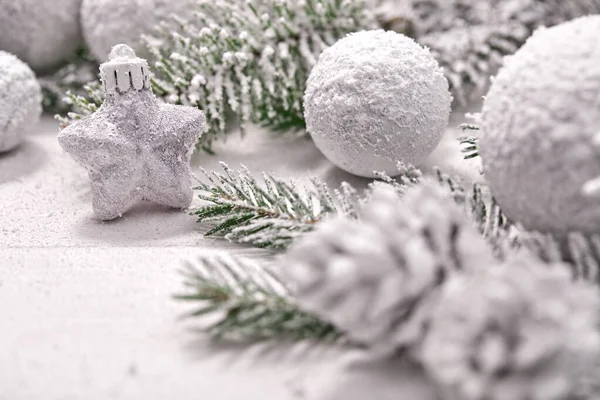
(73, 77)
(270, 214)
(273, 213)
(248, 301)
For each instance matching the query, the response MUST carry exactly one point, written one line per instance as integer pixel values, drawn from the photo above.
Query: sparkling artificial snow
(541, 127)
(375, 98)
(41, 33)
(20, 100)
(134, 147)
(109, 22)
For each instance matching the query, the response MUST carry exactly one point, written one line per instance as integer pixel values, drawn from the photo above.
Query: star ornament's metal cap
(124, 71)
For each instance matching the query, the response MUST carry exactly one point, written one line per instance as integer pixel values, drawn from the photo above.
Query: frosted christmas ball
(375, 98)
(540, 130)
(107, 23)
(41, 33)
(20, 100)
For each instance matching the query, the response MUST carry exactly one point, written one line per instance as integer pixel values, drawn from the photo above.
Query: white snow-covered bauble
(541, 129)
(107, 23)
(20, 100)
(42, 33)
(375, 98)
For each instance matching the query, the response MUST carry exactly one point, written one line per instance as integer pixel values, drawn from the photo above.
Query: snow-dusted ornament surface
(20, 100)
(41, 33)
(134, 147)
(106, 23)
(540, 130)
(375, 98)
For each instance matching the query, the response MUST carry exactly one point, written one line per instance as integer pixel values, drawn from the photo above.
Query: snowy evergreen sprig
(580, 252)
(472, 48)
(249, 58)
(271, 213)
(469, 144)
(250, 302)
(81, 106)
(73, 77)
(471, 54)
(418, 18)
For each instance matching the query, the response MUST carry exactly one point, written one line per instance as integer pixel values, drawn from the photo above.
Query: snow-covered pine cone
(513, 332)
(377, 278)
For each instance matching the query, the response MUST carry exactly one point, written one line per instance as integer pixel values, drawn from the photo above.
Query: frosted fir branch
(472, 50)
(469, 147)
(274, 212)
(82, 106)
(248, 301)
(73, 77)
(417, 18)
(487, 214)
(249, 59)
(268, 214)
(581, 252)
(408, 175)
(471, 54)
(469, 142)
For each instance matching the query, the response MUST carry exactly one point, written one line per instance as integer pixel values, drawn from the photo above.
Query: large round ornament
(540, 128)
(375, 98)
(41, 33)
(20, 100)
(107, 23)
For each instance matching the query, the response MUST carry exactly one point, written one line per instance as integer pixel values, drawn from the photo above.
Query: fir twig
(274, 212)
(81, 106)
(80, 70)
(579, 250)
(271, 214)
(471, 54)
(469, 143)
(250, 302)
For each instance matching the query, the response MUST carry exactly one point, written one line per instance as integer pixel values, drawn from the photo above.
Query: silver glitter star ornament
(134, 147)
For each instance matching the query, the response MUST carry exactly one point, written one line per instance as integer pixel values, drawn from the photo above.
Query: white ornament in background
(134, 147)
(43, 33)
(540, 124)
(110, 22)
(20, 100)
(375, 98)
